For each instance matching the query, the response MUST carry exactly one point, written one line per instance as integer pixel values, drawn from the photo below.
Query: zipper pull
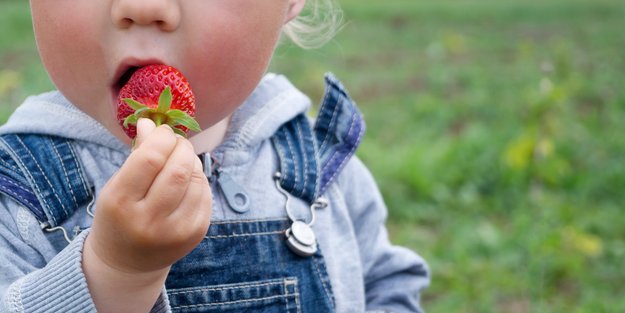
(235, 194)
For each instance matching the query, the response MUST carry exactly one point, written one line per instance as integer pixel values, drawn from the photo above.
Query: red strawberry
(160, 93)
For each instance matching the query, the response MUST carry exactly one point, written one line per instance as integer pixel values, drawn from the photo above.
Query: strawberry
(160, 93)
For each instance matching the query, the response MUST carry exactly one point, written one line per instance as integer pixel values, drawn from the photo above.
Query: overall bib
(241, 265)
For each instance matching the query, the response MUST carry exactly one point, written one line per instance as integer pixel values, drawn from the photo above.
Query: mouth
(125, 71)
(124, 77)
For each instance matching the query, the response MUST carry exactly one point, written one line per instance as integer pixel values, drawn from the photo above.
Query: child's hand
(150, 214)
(156, 208)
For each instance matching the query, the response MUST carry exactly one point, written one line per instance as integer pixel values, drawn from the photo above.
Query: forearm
(113, 290)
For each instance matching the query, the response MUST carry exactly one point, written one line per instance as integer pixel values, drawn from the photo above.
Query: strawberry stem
(159, 118)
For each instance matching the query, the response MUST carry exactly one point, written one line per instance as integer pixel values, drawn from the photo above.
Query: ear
(295, 8)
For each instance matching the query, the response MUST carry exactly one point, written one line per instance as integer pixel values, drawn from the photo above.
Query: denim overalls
(241, 265)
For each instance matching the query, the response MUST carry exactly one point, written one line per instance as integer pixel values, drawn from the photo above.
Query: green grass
(495, 130)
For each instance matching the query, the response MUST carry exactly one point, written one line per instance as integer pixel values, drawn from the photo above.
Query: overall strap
(43, 174)
(311, 157)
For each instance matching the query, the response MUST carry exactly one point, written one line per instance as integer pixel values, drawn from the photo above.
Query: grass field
(495, 130)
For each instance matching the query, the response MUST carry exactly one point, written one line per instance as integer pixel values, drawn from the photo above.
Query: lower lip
(114, 96)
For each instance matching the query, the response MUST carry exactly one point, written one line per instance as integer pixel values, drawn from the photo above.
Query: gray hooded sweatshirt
(41, 272)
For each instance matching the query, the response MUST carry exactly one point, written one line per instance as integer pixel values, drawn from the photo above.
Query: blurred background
(496, 130)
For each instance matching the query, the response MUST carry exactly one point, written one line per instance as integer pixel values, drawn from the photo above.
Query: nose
(164, 14)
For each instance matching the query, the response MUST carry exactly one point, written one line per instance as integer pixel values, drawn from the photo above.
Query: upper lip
(127, 64)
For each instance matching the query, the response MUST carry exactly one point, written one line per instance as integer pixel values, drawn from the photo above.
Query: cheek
(68, 47)
(233, 62)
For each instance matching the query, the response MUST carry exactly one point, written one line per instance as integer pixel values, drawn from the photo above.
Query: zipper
(235, 195)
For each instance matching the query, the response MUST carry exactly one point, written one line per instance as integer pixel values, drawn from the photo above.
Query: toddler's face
(223, 47)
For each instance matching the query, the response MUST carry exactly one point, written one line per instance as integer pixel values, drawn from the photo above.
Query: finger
(143, 165)
(196, 207)
(170, 185)
(144, 127)
(198, 194)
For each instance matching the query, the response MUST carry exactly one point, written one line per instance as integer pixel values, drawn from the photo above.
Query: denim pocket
(246, 266)
(271, 296)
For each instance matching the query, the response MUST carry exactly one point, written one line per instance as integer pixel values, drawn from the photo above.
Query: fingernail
(144, 125)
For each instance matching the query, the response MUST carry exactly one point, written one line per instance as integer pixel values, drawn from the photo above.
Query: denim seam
(10, 181)
(286, 292)
(323, 283)
(17, 196)
(12, 167)
(244, 235)
(298, 128)
(233, 302)
(345, 159)
(334, 152)
(293, 153)
(46, 178)
(69, 185)
(249, 221)
(237, 286)
(330, 125)
(297, 304)
(80, 173)
(326, 96)
(5, 147)
(324, 104)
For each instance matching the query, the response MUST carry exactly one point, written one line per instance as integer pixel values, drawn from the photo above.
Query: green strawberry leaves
(162, 114)
(164, 100)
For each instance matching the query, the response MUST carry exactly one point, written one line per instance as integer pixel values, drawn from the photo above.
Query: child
(296, 223)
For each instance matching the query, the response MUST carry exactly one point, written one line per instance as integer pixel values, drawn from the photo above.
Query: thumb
(144, 127)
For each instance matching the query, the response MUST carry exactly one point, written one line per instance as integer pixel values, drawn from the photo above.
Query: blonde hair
(319, 21)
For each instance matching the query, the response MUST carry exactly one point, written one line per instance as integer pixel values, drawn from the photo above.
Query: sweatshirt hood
(52, 114)
(274, 102)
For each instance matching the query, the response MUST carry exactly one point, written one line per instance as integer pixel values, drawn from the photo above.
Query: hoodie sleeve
(29, 283)
(394, 276)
